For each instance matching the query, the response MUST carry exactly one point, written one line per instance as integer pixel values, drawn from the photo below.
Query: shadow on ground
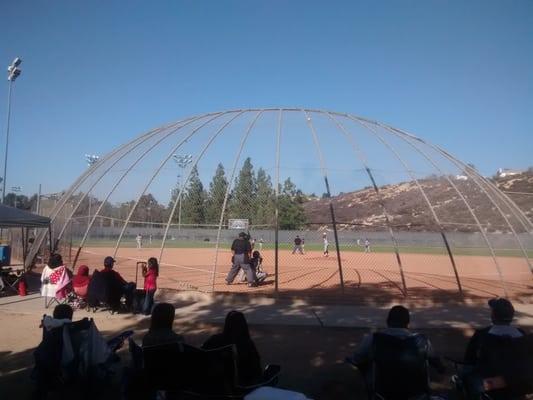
(311, 355)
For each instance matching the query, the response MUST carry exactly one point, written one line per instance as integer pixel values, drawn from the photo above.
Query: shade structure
(380, 212)
(11, 217)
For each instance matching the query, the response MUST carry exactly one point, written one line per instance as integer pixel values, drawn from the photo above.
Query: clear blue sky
(96, 74)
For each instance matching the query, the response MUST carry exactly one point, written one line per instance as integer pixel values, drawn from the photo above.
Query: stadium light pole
(16, 189)
(13, 72)
(149, 209)
(91, 159)
(183, 160)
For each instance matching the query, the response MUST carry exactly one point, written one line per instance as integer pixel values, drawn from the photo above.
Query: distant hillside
(408, 210)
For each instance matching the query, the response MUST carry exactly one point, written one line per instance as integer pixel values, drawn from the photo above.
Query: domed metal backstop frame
(500, 202)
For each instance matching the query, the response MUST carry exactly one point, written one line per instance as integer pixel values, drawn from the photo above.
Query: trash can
(5, 255)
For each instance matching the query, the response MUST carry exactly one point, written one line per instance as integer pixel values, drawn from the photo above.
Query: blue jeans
(148, 302)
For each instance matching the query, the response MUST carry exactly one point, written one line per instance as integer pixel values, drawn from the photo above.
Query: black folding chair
(400, 367)
(11, 278)
(504, 370)
(164, 367)
(214, 374)
(101, 293)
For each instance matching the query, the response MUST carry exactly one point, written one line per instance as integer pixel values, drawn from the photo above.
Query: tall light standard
(149, 209)
(13, 73)
(182, 160)
(16, 189)
(91, 160)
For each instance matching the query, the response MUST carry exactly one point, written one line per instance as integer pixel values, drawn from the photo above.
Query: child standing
(150, 284)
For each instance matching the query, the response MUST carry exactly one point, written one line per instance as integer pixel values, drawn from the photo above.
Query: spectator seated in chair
(236, 332)
(80, 282)
(398, 321)
(160, 331)
(470, 375)
(71, 353)
(108, 286)
(55, 279)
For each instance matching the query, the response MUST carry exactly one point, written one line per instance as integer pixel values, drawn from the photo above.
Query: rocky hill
(407, 208)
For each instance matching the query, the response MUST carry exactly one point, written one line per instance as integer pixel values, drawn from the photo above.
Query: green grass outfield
(463, 251)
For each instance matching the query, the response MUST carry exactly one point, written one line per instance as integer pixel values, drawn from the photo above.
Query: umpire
(241, 249)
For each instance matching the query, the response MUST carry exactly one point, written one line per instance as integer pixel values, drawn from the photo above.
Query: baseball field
(371, 277)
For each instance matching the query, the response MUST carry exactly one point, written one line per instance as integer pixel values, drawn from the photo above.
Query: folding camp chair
(400, 368)
(504, 370)
(10, 278)
(214, 374)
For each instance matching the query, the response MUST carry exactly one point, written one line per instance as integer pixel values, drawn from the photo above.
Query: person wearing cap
(241, 250)
(502, 314)
(118, 283)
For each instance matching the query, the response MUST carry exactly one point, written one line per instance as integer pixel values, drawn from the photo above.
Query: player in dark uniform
(241, 250)
(297, 245)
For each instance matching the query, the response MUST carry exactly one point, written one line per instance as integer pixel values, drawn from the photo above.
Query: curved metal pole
(64, 199)
(474, 177)
(173, 129)
(525, 220)
(362, 158)
(331, 210)
(226, 195)
(194, 164)
(119, 181)
(513, 208)
(276, 211)
(504, 286)
(426, 199)
(517, 212)
(161, 165)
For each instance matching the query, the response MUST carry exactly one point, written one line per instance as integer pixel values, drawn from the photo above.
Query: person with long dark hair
(236, 332)
(150, 284)
(160, 331)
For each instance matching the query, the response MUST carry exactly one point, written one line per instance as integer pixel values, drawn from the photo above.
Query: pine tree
(290, 203)
(215, 199)
(264, 199)
(193, 206)
(242, 198)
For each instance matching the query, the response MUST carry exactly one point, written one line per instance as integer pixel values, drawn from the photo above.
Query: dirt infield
(368, 277)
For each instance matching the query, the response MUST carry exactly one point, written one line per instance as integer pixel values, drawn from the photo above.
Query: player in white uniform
(326, 244)
(139, 240)
(367, 246)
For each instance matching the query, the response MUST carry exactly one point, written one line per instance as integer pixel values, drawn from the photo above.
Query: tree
(19, 200)
(264, 199)
(242, 200)
(290, 203)
(193, 206)
(215, 197)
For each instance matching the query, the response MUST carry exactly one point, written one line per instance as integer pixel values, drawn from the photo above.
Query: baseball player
(297, 245)
(326, 244)
(367, 246)
(139, 240)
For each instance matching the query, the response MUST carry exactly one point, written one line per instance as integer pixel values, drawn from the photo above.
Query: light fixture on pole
(183, 160)
(15, 190)
(150, 226)
(13, 72)
(91, 159)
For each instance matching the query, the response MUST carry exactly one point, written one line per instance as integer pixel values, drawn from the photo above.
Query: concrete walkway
(262, 310)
